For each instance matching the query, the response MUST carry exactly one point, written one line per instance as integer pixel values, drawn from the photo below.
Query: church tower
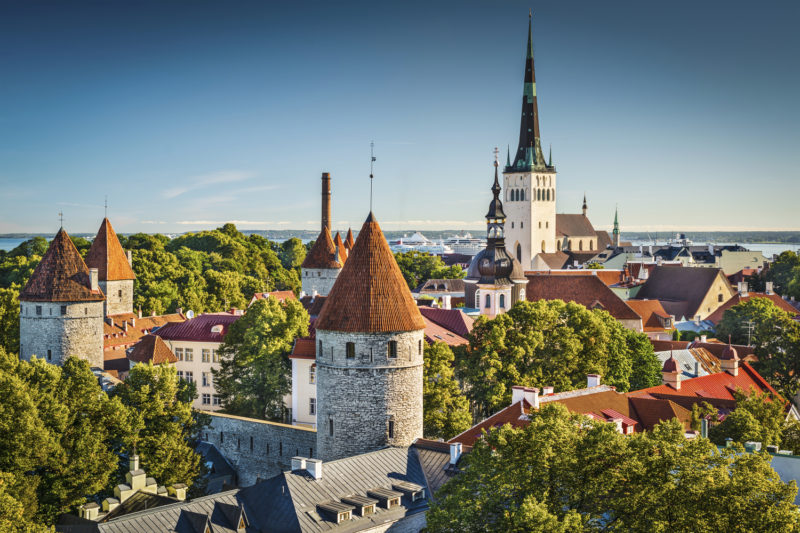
(114, 270)
(530, 181)
(324, 261)
(61, 308)
(369, 354)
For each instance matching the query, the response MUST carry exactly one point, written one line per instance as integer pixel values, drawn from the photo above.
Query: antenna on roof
(371, 175)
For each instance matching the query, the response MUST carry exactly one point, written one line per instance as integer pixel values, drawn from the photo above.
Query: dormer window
(216, 328)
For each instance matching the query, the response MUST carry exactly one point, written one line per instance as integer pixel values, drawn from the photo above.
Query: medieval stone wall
(368, 395)
(47, 333)
(258, 449)
(318, 279)
(119, 296)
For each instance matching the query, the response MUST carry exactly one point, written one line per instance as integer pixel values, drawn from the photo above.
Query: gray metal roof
(689, 365)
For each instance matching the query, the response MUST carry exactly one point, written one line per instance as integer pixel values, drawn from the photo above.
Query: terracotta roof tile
(651, 411)
(436, 333)
(688, 285)
(370, 294)
(717, 349)
(61, 276)
(454, 320)
(589, 291)
(281, 296)
(313, 304)
(652, 313)
(737, 298)
(152, 349)
(607, 276)
(117, 333)
(107, 255)
(343, 250)
(201, 328)
(323, 253)
(304, 348)
(349, 240)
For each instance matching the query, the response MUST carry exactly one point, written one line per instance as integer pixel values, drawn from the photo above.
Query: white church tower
(530, 182)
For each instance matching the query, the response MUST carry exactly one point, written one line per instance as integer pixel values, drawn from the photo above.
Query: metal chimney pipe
(326, 200)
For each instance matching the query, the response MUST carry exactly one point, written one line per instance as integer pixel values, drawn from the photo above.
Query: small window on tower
(320, 348)
(63, 309)
(420, 347)
(512, 225)
(391, 428)
(350, 350)
(119, 293)
(38, 310)
(330, 426)
(392, 349)
(49, 355)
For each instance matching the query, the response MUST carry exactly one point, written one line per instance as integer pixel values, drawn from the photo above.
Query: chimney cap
(670, 365)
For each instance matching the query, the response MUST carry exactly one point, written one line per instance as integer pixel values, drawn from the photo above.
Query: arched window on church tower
(543, 248)
(502, 301)
(580, 245)
(548, 195)
(519, 252)
(488, 303)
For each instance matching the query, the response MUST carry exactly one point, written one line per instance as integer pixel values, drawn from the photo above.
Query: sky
(186, 115)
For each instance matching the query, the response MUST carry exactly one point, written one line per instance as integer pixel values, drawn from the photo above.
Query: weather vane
(371, 176)
(496, 152)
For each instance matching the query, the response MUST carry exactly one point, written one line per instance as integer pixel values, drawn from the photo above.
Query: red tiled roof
(436, 333)
(717, 348)
(742, 275)
(515, 415)
(152, 349)
(686, 285)
(199, 329)
(61, 276)
(554, 260)
(115, 334)
(370, 294)
(339, 243)
(281, 296)
(665, 346)
(651, 411)
(589, 291)
(454, 320)
(323, 253)
(304, 348)
(313, 304)
(349, 240)
(609, 277)
(107, 256)
(737, 298)
(570, 225)
(670, 365)
(650, 311)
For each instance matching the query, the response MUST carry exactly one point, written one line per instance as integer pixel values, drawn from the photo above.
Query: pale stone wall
(54, 336)
(258, 449)
(119, 296)
(361, 395)
(530, 222)
(318, 279)
(303, 390)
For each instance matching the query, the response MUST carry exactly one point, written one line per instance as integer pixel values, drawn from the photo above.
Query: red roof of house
(125, 329)
(313, 304)
(742, 275)
(199, 329)
(436, 333)
(61, 275)
(737, 298)
(574, 225)
(152, 349)
(588, 291)
(454, 320)
(609, 277)
(322, 253)
(304, 348)
(281, 296)
(665, 346)
(107, 256)
(370, 293)
(650, 311)
(717, 348)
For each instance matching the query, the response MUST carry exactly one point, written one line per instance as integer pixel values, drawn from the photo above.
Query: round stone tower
(369, 337)
(61, 308)
(114, 270)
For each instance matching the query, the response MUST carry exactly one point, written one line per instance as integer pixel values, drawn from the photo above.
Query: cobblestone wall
(318, 279)
(371, 399)
(258, 449)
(78, 332)
(119, 296)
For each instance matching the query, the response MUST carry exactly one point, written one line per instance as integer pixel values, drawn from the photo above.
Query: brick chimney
(326, 200)
(314, 467)
(529, 394)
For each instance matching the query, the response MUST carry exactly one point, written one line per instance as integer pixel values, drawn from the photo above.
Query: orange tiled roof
(304, 348)
(323, 253)
(607, 276)
(370, 294)
(61, 275)
(281, 296)
(651, 311)
(737, 298)
(343, 250)
(588, 291)
(454, 320)
(107, 255)
(436, 333)
(349, 241)
(151, 348)
(116, 334)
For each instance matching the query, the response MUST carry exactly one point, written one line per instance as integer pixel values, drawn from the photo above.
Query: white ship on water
(460, 244)
(465, 244)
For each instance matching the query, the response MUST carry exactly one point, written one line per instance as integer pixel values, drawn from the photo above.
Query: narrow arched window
(543, 250)
(488, 303)
(539, 195)
(519, 253)
(580, 245)
(502, 301)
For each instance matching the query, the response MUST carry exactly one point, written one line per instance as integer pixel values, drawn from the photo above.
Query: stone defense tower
(61, 308)
(369, 355)
(530, 182)
(114, 270)
(323, 262)
(495, 280)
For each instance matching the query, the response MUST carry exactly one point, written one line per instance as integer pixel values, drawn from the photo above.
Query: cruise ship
(465, 244)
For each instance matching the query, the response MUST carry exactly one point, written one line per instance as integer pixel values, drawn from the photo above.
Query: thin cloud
(206, 180)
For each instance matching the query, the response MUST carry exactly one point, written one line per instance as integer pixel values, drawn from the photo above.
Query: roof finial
(61, 219)
(496, 152)
(105, 205)
(550, 163)
(530, 12)
(371, 162)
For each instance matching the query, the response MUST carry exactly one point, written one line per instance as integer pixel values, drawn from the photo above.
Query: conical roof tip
(370, 294)
(323, 253)
(107, 256)
(61, 275)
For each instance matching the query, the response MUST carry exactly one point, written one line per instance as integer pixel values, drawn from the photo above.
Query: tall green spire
(616, 228)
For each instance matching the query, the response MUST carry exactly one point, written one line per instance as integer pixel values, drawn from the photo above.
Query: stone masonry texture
(318, 279)
(116, 304)
(78, 332)
(363, 394)
(258, 449)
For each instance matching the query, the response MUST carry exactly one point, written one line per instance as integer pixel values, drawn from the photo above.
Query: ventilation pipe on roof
(93, 279)
(547, 391)
(314, 467)
(109, 321)
(129, 255)
(743, 288)
(298, 463)
(133, 322)
(446, 301)
(703, 338)
(455, 452)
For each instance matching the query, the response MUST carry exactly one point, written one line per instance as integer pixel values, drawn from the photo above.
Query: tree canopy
(564, 473)
(445, 408)
(254, 372)
(551, 343)
(418, 267)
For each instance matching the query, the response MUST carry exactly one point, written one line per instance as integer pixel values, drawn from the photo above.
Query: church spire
(529, 152)
(616, 228)
(585, 207)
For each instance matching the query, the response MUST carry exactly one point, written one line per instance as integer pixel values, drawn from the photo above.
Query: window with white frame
(189, 376)
(206, 399)
(312, 374)
(188, 354)
(312, 406)
(206, 354)
(179, 355)
(180, 374)
(207, 379)
(214, 356)
(215, 399)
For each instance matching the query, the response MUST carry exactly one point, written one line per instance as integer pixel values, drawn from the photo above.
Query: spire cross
(371, 176)
(105, 205)
(61, 218)
(496, 156)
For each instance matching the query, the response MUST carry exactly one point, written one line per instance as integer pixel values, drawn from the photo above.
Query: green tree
(418, 267)
(595, 266)
(784, 273)
(254, 372)
(564, 472)
(9, 320)
(13, 518)
(292, 253)
(551, 343)
(757, 417)
(445, 408)
(167, 428)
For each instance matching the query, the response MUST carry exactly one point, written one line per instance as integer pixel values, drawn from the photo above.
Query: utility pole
(749, 326)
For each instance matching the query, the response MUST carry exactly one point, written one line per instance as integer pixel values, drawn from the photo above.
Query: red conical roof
(107, 255)
(370, 294)
(349, 240)
(61, 275)
(323, 253)
(343, 250)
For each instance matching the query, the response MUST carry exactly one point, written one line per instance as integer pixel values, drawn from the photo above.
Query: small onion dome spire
(496, 206)
(729, 353)
(585, 207)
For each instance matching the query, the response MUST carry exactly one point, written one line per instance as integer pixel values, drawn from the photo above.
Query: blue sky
(191, 114)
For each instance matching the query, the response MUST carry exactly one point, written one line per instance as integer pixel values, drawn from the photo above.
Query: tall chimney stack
(326, 200)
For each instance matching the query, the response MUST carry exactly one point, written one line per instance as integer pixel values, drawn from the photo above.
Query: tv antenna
(371, 175)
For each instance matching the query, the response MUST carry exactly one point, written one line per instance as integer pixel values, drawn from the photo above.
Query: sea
(9, 244)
